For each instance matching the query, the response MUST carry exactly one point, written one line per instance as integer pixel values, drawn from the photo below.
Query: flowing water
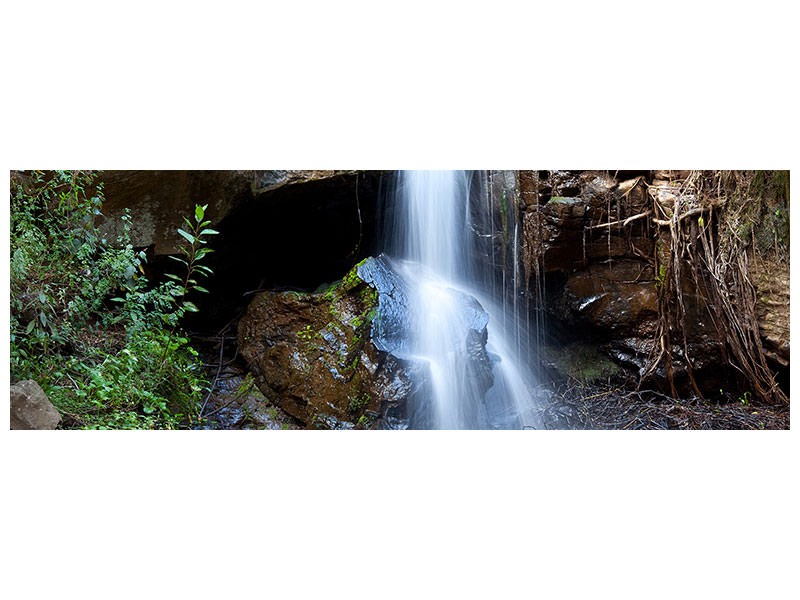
(433, 236)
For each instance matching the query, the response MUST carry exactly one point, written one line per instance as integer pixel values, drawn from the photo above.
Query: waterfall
(432, 235)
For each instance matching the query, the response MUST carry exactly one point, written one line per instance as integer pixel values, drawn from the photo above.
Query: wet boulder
(341, 358)
(397, 322)
(316, 354)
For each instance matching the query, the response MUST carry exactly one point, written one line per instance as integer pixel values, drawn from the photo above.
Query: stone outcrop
(772, 283)
(590, 236)
(619, 298)
(30, 407)
(565, 213)
(158, 200)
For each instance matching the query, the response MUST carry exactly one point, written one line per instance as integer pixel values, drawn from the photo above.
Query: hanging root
(704, 231)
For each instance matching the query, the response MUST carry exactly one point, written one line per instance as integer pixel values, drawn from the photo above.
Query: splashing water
(432, 236)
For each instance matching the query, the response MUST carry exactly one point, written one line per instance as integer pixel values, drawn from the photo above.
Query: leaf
(180, 260)
(188, 236)
(30, 326)
(118, 299)
(199, 211)
(190, 307)
(201, 289)
(209, 232)
(171, 276)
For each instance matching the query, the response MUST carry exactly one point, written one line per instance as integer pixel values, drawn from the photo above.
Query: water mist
(431, 238)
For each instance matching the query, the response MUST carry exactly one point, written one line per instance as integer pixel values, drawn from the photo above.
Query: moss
(351, 280)
(295, 295)
(584, 362)
(306, 334)
(365, 421)
(369, 295)
(661, 276)
(358, 403)
(759, 211)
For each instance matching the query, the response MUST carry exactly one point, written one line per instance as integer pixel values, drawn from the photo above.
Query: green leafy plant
(86, 323)
(193, 249)
(744, 399)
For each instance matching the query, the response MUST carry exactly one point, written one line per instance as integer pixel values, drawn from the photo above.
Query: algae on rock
(315, 354)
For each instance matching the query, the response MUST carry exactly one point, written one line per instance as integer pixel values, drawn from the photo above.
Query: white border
(420, 514)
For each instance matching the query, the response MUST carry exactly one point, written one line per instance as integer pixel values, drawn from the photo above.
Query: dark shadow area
(296, 237)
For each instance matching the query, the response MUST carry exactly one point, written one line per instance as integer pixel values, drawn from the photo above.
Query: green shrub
(86, 324)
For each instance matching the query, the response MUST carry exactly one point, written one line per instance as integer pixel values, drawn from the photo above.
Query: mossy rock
(313, 354)
(581, 361)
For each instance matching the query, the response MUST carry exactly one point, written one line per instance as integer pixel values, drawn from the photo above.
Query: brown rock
(618, 298)
(313, 354)
(633, 194)
(159, 200)
(30, 408)
(670, 175)
(772, 285)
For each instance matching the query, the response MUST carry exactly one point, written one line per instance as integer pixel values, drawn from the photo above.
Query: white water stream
(433, 239)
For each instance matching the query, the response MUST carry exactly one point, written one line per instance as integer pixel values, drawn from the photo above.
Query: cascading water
(432, 237)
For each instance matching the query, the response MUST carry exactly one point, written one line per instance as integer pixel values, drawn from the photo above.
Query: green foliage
(193, 249)
(85, 322)
(134, 388)
(661, 276)
(356, 404)
(351, 280)
(306, 334)
(583, 362)
(760, 210)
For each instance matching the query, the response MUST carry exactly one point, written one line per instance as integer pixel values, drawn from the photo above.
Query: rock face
(772, 282)
(563, 206)
(30, 408)
(158, 200)
(618, 298)
(589, 235)
(598, 280)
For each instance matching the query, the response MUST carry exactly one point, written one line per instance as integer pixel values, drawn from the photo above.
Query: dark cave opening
(296, 237)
